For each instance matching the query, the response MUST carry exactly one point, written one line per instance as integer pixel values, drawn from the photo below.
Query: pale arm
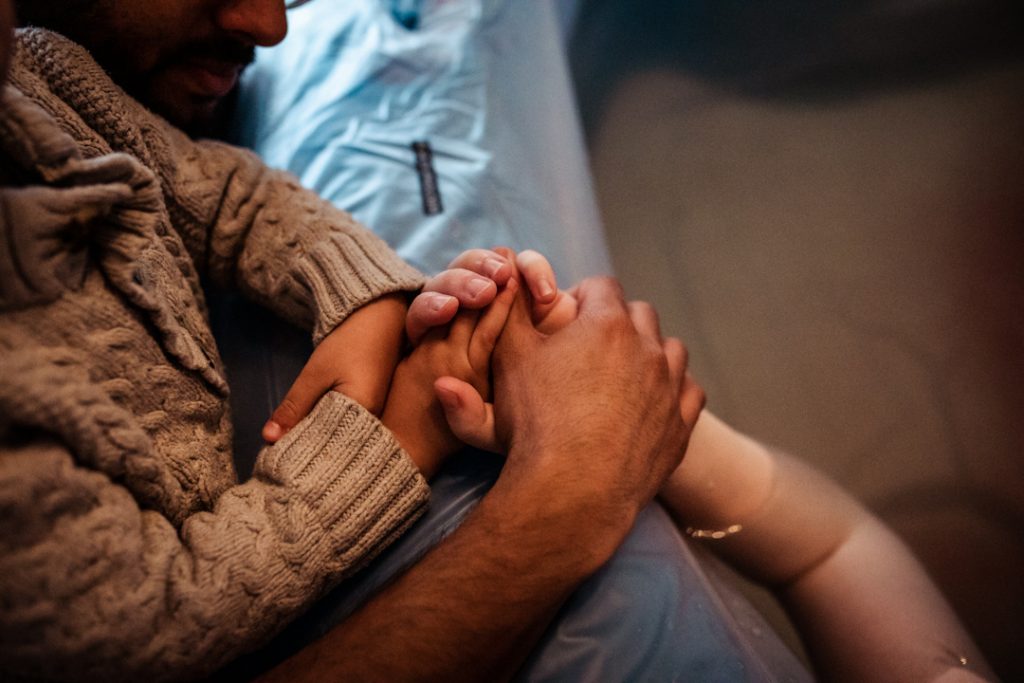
(865, 606)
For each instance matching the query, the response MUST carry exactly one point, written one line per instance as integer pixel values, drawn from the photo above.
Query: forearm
(774, 518)
(473, 608)
(866, 607)
(869, 612)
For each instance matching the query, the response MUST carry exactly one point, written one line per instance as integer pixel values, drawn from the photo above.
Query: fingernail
(544, 288)
(449, 398)
(271, 431)
(439, 301)
(477, 285)
(492, 265)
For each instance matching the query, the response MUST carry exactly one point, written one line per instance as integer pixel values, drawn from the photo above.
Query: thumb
(307, 389)
(427, 311)
(469, 417)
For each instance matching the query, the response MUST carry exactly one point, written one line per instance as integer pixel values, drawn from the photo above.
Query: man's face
(179, 57)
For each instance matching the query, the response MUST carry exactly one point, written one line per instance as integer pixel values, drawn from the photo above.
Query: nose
(258, 22)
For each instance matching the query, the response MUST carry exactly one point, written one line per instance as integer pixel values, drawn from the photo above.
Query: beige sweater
(128, 549)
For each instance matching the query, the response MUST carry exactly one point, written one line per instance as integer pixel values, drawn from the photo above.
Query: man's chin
(190, 98)
(196, 115)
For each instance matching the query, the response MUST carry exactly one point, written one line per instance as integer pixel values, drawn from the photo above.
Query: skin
(558, 535)
(461, 350)
(497, 581)
(865, 607)
(470, 283)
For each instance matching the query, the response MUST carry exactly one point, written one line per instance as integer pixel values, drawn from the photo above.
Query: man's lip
(213, 78)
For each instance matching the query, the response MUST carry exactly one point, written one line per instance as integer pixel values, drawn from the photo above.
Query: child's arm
(463, 351)
(864, 605)
(358, 357)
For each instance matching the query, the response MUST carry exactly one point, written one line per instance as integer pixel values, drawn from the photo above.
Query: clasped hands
(580, 371)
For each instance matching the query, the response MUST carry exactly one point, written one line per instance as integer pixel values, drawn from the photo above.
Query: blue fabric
(484, 82)
(654, 612)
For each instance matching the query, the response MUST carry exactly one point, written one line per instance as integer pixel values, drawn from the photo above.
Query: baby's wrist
(426, 459)
(416, 425)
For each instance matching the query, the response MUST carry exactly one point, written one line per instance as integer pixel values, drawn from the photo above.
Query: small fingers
(461, 332)
(489, 327)
(492, 264)
(428, 310)
(538, 275)
(645, 319)
(470, 282)
(507, 253)
(519, 333)
(307, 389)
(675, 354)
(472, 290)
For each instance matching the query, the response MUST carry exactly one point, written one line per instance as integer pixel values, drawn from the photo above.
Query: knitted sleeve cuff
(352, 477)
(349, 269)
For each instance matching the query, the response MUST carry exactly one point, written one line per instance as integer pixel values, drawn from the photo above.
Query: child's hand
(359, 356)
(356, 359)
(460, 353)
(468, 412)
(551, 308)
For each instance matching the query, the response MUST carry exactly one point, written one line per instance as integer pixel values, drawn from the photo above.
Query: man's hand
(601, 410)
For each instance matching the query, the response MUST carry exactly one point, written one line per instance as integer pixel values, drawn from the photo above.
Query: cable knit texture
(128, 549)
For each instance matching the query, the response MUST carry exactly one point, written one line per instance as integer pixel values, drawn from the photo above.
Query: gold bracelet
(715, 534)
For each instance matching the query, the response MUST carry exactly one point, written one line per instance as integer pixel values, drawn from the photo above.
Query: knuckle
(463, 257)
(613, 284)
(477, 259)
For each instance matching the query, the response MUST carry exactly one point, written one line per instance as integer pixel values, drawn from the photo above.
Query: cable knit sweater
(128, 549)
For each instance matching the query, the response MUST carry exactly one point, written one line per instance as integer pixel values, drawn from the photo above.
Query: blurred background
(826, 201)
